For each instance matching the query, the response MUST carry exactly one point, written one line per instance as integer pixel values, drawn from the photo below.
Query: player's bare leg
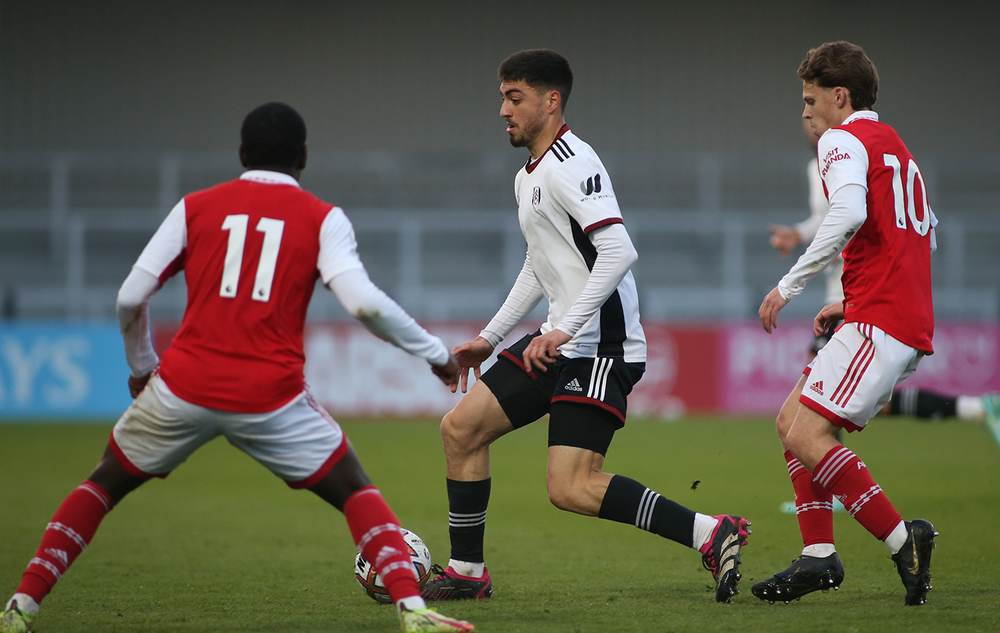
(469, 429)
(576, 483)
(467, 432)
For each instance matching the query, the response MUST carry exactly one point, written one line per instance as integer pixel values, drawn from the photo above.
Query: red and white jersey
(887, 263)
(562, 197)
(251, 250)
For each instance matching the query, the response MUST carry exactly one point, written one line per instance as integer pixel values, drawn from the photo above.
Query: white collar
(869, 115)
(269, 177)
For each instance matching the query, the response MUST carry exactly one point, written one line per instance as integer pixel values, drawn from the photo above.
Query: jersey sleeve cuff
(492, 338)
(605, 222)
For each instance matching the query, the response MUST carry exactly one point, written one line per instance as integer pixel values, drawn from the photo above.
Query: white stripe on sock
(644, 516)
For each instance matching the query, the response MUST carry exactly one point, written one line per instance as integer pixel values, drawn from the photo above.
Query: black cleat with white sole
(805, 575)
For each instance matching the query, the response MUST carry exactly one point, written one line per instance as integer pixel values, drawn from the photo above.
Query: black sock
(628, 501)
(922, 404)
(467, 501)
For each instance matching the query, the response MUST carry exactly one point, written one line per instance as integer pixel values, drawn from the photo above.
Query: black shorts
(586, 398)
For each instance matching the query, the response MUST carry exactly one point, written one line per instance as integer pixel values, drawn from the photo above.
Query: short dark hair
(541, 69)
(273, 135)
(846, 65)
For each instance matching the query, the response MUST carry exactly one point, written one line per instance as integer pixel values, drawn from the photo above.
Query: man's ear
(553, 101)
(843, 96)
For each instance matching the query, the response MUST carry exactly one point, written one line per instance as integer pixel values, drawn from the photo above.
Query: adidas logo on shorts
(817, 387)
(574, 385)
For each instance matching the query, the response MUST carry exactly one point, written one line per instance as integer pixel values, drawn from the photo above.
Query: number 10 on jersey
(906, 205)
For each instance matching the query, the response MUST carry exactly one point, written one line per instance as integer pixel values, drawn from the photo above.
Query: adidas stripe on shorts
(591, 393)
(854, 374)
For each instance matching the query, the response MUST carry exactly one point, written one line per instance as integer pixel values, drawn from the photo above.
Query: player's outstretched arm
(384, 318)
(768, 313)
(471, 354)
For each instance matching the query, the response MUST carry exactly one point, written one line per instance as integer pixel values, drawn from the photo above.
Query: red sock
(377, 535)
(847, 477)
(65, 538)
(813, 504)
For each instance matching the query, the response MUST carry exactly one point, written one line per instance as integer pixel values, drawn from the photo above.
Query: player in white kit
(579, 367)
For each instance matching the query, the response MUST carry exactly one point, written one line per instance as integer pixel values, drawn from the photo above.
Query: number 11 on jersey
(237, 227)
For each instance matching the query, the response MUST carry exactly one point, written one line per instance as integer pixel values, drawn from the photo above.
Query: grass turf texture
(222, 545)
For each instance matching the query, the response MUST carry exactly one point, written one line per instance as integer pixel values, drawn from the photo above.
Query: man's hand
(448, 373)
(543, 350)
(137, 383)
(470, 354)
(784, 238)
(768, 313)
(829, 315)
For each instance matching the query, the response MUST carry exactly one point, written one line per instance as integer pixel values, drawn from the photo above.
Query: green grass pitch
(222, 545)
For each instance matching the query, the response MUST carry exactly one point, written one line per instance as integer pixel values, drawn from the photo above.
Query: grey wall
(383, 74)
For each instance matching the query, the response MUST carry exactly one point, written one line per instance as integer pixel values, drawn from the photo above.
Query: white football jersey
(561, 198)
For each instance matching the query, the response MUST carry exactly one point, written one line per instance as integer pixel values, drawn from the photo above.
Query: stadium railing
(439, 232)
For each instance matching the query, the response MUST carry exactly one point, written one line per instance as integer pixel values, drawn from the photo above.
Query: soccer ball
(369, 579)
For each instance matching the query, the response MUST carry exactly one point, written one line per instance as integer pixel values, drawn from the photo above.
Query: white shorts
(298, 442)
(854, 374)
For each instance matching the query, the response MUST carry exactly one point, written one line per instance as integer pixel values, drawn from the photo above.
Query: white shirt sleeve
(843, 162)
(569, 187)
(162, 250)
(524, 295)
(848, 211)
(338, 248)
(818, 205)
(383, 317)
(167, 244)
(615, 256)
(133, 320)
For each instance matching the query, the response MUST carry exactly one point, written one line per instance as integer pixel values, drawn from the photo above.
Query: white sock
(472, 570)
(970, 408)
(896, 538)
(704, 525)
(413, 603)
(819, 550)
(25, 603)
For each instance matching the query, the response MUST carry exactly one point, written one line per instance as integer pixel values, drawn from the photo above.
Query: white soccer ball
(369, 579)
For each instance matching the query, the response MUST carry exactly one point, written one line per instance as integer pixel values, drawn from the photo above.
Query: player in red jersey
(251, 250)
(918, 402)
(879, 217)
